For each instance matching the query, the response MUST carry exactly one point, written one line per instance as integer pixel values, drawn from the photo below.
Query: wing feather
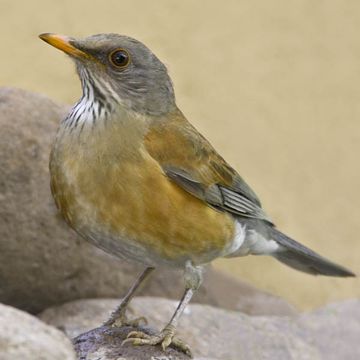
(189, 160)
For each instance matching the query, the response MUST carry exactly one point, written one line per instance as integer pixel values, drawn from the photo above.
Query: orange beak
(63, 43)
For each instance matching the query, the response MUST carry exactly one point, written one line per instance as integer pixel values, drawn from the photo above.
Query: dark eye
(119, 58)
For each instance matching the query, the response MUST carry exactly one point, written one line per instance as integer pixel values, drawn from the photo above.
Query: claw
(165, 338)
(166, 342)
(133, 322)
(134, 341)
(138, 334)
(122, 320)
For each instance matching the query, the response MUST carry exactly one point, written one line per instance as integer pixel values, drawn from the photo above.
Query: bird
(134, 177)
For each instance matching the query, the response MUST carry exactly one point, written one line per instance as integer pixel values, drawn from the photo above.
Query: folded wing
(190, 161)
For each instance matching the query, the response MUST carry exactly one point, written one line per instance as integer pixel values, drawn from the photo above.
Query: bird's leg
(118, 316)
(193, 279)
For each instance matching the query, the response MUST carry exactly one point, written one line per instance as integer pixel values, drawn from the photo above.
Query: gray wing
(237, 199)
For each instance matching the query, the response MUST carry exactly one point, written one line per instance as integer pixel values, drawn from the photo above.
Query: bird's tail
(302, 258)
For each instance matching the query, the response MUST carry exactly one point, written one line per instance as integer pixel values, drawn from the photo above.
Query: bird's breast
(111, 191)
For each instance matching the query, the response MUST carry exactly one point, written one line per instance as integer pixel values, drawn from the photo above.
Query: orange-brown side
(175, 142)
(106, 180)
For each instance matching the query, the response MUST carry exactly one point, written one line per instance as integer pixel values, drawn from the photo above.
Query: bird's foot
(119, 320)
(165, 338)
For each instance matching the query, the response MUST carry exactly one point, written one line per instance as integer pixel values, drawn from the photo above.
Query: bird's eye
(119, 58)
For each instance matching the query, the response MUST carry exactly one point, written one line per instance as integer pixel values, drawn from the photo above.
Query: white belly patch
(251, 242)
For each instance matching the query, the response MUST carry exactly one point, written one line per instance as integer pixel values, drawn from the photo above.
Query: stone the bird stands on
(132, 176)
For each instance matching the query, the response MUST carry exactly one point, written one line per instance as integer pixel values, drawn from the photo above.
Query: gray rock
(211, 332)
(42, 261)
(25, 337)
(104, 343)
(335, 329)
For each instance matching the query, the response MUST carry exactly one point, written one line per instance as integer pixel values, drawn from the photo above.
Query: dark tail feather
(302, 258)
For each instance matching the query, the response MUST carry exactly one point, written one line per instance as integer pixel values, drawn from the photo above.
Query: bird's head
(120, 71)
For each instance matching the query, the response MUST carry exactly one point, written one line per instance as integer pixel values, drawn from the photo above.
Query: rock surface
(24, 337)
(105, 343)
(331, 332)
(42, 261)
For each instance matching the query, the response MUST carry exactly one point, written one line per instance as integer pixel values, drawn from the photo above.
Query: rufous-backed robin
(131, 175)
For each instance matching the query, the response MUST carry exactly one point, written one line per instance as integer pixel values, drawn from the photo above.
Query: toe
(166, 342)
(138, 334)
(164, 338)
(179, 344)
(123, 321)
(140, 338)
(135, 341)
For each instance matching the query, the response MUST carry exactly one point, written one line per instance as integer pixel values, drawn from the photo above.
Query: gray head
(120, 71)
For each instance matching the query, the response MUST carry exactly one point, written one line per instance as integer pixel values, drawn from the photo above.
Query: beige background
(274, 85)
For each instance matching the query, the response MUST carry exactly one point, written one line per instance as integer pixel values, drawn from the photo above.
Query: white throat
(95, 105)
